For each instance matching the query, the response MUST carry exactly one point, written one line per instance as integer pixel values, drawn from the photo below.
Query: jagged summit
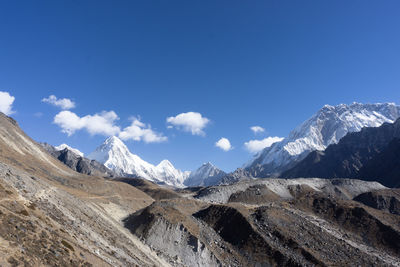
(65, 146)
(326, 127)
(115, 155)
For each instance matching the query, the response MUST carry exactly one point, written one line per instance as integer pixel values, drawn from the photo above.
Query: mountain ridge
(371, 154)
(206, 175)
(325, 127)
(76, 162)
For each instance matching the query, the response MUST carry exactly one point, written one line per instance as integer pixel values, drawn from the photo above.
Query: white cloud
(224, 144)
(6, 101)
(257, 129)
(103, 123)
(63, 103)
(138, 131)
(192, 122)
(257, 145)
(99, 123)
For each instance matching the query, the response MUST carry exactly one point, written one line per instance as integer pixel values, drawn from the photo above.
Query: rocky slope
(384, 199)
(371, 154)
(115, 155)
(326, 127)
(205, 175)
(53, 216)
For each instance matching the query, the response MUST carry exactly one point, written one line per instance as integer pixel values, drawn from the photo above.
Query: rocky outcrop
(386, 200)
(235, 229)
(172, 232)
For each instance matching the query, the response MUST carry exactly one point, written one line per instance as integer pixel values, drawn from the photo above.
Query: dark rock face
(385, 165)
(235, 229)
(372, 154)
(78, 163)
(387, 200)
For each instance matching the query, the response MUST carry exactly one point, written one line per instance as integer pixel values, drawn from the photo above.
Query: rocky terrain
(299, 222)
(54, 216)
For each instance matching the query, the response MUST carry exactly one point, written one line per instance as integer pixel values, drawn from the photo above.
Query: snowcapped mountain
(115, 155)
(206, 175)
(326, 127)
(64, 146)
(171, 175)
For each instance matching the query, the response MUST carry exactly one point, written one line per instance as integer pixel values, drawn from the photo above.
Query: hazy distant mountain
(326, 127)
(236, 176)
(371, 154)
(115, 155)
(206, 175)
(73, 158)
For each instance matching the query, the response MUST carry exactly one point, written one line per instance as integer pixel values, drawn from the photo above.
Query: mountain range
(115, 155)
(292, 157)
(52, 215)
(113, 158)
(371, 154)
(326, 127)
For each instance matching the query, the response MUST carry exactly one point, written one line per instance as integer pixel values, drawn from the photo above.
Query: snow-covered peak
(113, 140)
(114, 143)
(165, 164)
(326, 127)
(115, 155)
(170, 174)
(64, 146)
(206, 175)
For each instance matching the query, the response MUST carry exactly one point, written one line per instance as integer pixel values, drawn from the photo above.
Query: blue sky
(237, 63)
